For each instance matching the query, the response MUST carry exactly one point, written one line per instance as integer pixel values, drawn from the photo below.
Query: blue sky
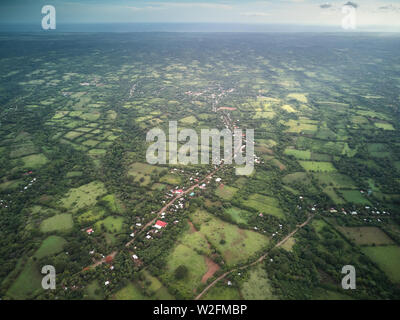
(304, 12)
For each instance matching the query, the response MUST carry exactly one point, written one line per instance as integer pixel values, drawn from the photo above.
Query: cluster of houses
(29, 184)
(374, 211)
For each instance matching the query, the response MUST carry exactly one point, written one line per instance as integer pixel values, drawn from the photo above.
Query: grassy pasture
(264, 204)
(257, 287)
(155, 287)
(112, 203)
(195, 264)
(34, 161)
(366, 235)
(50, 246)
(384, 126)
(317, 166)
(84, 196)
(222, 292)
(298, 126)
(10, 185)
(130, 292)
(189, 120)
(235, 244)
(93, 291)
(334, 196)
(354, 196)
(297, 177)
(387, 258)
(298, 154)
(111, 224)
(171, 179)
(336, 180)
(238, 215)
(28, 281)
(225, 192)
(142, 171)
(288, 245)
(300, 97)
(195, 240)
(91, 215)
(59, 222)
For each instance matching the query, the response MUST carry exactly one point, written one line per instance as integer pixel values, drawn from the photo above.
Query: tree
(181, 272)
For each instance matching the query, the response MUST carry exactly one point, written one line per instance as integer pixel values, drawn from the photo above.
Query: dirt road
(260, 259)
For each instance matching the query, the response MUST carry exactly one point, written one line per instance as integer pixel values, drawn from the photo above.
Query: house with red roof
(160, 224)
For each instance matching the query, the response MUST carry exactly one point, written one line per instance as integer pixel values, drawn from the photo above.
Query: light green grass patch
(366, 235)
(34, 161)
(257, 287)
(298, 154)
(354, 196)
(111, 224)
(195, 264)
(27, 283)
(264, 204)
(189, 120)
(172, 179)
(51, 245)
(59, 222)
(222, 292)
(235, 244)
(225, 192)
(317, 166)
(387, 258)
(84, 196)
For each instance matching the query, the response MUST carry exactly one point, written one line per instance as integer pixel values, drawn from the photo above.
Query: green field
(225, 192)
(28, 281)
(387, 258)
(50, 246)
(354, 196)
(317, 166)
(91, 215)
(113, 203)
(59, 222)
(366, 235)
(189, 120)
(264, 204)
(34, 161)
(257, 287)
(129, 292)
(195, 264)
(238, 215)
(111, 224)
(298, 154)
(84, 196)
(222, 291)
(141, 172)
(172, 179)
(235, 244)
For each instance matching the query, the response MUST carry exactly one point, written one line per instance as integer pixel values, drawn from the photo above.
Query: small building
(106, 283)
(132, 235)
(160, 224)
(89, 231)
(135, 257)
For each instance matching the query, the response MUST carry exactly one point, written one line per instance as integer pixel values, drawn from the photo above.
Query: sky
(383, 13)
